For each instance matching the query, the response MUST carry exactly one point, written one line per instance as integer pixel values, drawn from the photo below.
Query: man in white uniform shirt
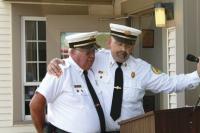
(71, 104)
(137, 76)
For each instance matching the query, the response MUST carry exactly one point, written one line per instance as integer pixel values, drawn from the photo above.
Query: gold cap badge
(127, 32)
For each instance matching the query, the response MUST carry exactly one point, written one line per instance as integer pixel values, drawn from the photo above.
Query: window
(34, 58)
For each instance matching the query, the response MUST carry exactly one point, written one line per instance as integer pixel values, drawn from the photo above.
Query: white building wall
(6, 79)
(6, 102)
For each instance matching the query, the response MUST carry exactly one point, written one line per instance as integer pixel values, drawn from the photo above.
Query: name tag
(78, 89)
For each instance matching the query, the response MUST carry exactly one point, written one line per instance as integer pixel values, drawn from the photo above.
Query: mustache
(123, 53)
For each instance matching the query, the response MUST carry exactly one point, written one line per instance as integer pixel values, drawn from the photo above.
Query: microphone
(197, 103)
(192, 58)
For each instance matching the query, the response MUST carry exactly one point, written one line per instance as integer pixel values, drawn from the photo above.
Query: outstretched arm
(37, 109)
(54, 68)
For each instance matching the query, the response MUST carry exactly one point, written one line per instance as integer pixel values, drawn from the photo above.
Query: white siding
(6, 99)
(28, 128)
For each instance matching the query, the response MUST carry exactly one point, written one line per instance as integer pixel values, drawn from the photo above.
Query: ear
(71, 51)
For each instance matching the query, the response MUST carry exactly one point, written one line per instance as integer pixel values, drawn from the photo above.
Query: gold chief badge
(132, 75)
(155, 70)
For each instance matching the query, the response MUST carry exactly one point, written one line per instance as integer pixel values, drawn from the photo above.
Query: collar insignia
(100, 72)
(132, 74)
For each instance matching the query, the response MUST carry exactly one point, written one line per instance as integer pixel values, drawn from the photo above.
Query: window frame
(23, 60)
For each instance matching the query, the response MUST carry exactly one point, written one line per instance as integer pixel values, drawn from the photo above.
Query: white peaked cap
(124, 31)
(81, 39)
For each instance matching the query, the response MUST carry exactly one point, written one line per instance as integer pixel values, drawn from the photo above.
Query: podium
(180, 120)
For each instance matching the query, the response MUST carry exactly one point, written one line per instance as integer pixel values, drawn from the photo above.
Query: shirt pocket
(132, 91)
(68, 89)
(69, 98)
(102, 77)
(85, 99)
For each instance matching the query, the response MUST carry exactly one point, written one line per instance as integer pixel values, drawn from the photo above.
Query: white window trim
(23, 57)
(171, 95)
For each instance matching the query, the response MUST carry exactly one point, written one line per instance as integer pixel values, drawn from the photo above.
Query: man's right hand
(54, 68)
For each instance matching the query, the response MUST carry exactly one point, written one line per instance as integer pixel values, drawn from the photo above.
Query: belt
(112, 132)
(49, 128)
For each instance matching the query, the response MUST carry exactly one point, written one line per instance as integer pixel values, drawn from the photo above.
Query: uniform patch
(155, 70)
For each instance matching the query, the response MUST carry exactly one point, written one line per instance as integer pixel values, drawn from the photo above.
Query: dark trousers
(113, 132)
(49, 128)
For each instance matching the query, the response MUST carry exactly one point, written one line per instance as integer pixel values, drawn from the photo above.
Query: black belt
(49, 128)
(112, 132)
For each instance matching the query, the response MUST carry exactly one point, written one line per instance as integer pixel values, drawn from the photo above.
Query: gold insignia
(91, 38)
(133, 74)
(155, 70)
(127, 32)
(117, 88)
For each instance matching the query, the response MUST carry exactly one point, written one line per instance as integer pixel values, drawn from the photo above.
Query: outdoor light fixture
(163, 12)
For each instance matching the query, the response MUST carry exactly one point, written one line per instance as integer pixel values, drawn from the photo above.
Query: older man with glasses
(74, 101)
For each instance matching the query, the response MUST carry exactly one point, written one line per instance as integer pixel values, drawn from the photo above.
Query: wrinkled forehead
(123, 40)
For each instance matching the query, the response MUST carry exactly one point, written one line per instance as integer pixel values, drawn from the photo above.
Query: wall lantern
(163, 12)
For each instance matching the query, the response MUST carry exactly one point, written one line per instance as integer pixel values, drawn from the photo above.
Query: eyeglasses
(87, 51)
